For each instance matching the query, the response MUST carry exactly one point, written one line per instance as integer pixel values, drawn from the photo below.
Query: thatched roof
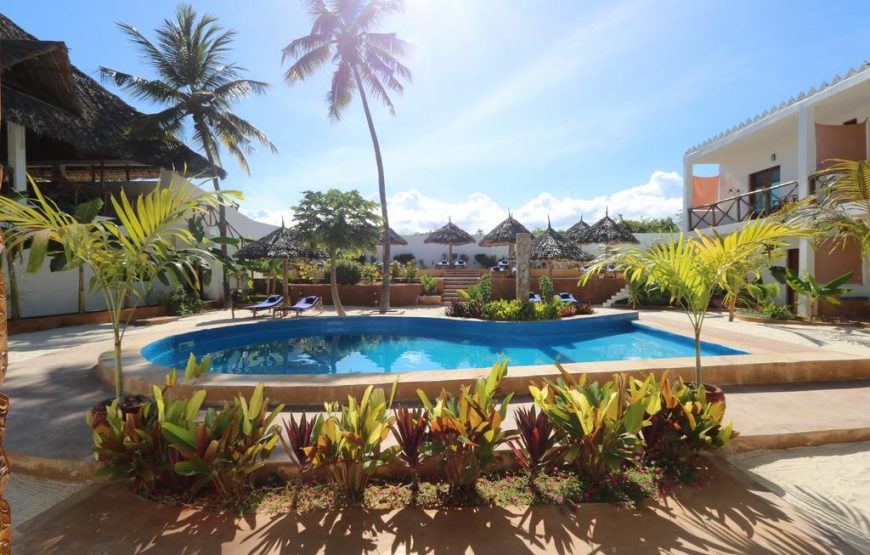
(450, 234)
(70, 116)
(504, 233)
(606, 230)
(578, 232)
(395, 238)
(552, 245)
(281, 243)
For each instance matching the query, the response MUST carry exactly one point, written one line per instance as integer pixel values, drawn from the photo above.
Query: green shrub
(347, 443)
(480, 292)
(467, 428)
(183, 302)
(547, 311)
(395, 270)
(486, 260)
(404, 258)
(348, 272)
(371, 273)
(409, 271)
(548, 294)
(429, 283)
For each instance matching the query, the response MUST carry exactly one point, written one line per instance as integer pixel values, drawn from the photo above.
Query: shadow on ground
(731, 515)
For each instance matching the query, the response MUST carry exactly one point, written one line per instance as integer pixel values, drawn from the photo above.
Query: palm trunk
(81, 289)
(382, 192)
(222, 212)
(698, 376)
(14, 308)
(333, 287)
(5, 509)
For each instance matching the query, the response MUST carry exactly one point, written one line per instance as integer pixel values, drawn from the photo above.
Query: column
(524, 248)
(16, 155)
(806, 168)
(687, 193)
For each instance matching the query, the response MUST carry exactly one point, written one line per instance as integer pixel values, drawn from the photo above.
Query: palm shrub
(467, 428)
(409, 270)
(428, 283)
(809, 287)
(600, 424)
(686, 424)
(348, 442)
(228, 447)
(125, 257)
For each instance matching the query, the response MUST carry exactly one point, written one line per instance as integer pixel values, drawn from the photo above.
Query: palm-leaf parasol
(504, 233)
(607, 231)
(450, 234)
(578, 232)
(395, 238)
(551, 246)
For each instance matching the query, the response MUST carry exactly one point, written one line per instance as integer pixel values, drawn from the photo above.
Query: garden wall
(596, 291)
(357, 295)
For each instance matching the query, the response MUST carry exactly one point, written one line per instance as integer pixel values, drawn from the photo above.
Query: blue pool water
(398, 344)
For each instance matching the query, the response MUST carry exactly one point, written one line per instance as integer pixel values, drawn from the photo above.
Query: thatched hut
(395, 238)
(550, 246)
(607, 231)
(503, 234)
(282, 244)
(68, 132)
(578, 232)
(450, 234)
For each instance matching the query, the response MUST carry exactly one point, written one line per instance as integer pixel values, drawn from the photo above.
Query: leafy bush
(412, 434)
(685, 425)
(404, 258)
(466, 430)
(183, 302)
(348, 441)
(429, 283)
(486, 260)
(299, 439)
(601, 423)
(548, 294)
(371, 273)
(395, 270)
(348, 272)
(535, 446)
(547, 310)
(480, 292)
(307, 271)
(228, 447)
(409, 271)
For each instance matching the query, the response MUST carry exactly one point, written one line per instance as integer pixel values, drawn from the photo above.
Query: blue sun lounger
(535, 298)
(270, 303)
(305, 304)
(568, 298)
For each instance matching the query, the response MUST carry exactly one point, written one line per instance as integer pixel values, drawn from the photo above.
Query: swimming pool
(329, 345)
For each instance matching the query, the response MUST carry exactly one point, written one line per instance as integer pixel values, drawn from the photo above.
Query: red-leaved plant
(535, 446)
(298, 439)
(412, 434)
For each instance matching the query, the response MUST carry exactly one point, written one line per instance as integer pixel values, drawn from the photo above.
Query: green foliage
(395, 270)
(183, 301)
(409, 271)
(480, 292)
(650, 225)
(348, 272)
(404, 258)
(601, 423)
(429, 283)
(370, 273)
(308, 271)
(228, 447)
(810, 288)
(486, 260)
(467, 428)
(548, 294)
(509, 310)
(347, 443)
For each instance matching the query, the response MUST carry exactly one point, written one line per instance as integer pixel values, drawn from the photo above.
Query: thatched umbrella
(578, 232)
(607, 231)
(395, 238)
(451, 234)
(551, 246)
(504, 233)
(282, 244)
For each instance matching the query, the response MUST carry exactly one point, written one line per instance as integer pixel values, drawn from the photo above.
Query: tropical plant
(125, 258)
(409, 271)
(404, 258)
(343, 223)
(480, 292)
(348, 441)
(195, 80)
(348, 272)
(83, 213)
(370, 273)
(692, 269)
(412, 434)
(343, 32)
(429, 283)
(467, 428)
(600, 423)
(686, 424)
(182, 301)
(650, 225)
(228, 447)
(395, 270)
(300, 439)
(486, 260)
(809, 287)
(536, 444)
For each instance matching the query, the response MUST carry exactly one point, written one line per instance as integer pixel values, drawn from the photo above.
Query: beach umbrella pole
(286, 283)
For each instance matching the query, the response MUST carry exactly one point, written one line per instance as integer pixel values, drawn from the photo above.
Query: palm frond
(308, 64)
(152, 90)
(240, 88)
(341, 92)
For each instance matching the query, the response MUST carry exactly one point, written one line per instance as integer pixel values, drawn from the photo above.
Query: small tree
(125, 257)
(810, 288)
(343, 223)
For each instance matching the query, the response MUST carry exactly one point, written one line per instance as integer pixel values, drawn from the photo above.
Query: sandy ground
(831, 484)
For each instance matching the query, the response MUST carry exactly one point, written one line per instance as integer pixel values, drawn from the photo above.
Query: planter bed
(799, 321)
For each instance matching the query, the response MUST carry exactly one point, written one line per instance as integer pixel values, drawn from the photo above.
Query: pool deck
(52, 382)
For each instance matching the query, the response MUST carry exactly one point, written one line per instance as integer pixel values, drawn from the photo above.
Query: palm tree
(842, 210)
(196, 81)
(365, 60)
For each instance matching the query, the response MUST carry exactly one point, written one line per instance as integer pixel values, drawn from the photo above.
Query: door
(793, 263)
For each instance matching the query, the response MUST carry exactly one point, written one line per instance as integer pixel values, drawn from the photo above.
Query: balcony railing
(743, 207)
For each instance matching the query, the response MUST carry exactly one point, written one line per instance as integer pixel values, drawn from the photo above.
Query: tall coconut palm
(342, 32)
(195, 81)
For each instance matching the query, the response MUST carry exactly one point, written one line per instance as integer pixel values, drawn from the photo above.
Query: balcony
(743, 207)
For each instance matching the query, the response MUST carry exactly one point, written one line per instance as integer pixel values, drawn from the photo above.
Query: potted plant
(429, 286)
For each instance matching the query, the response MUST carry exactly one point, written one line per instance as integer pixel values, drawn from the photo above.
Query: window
(765, 200)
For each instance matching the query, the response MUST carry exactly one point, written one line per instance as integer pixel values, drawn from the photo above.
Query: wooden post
(5, 509)
(523, 250)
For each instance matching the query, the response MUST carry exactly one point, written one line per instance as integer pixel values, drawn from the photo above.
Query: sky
(556, 108)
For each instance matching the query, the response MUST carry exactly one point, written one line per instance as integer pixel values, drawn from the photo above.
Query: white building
(771, 158)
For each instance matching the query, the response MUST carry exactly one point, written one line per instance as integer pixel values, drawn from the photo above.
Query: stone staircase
(456, 280)
(618, 296)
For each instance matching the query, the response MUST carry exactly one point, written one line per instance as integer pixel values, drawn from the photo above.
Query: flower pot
(129, 404)
(714, 393)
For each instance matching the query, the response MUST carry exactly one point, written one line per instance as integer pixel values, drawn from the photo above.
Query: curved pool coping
(140, 375)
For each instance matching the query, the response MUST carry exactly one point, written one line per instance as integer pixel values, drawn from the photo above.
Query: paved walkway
(732, 514)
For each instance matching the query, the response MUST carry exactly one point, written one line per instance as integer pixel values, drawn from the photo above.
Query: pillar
(524, 248)
(16, 155)
(687, 194)
(806, 156)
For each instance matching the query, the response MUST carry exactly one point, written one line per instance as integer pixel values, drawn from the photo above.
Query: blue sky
(543, 107)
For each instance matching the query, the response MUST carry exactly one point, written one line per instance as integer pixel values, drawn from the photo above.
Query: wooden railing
(743, 207)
